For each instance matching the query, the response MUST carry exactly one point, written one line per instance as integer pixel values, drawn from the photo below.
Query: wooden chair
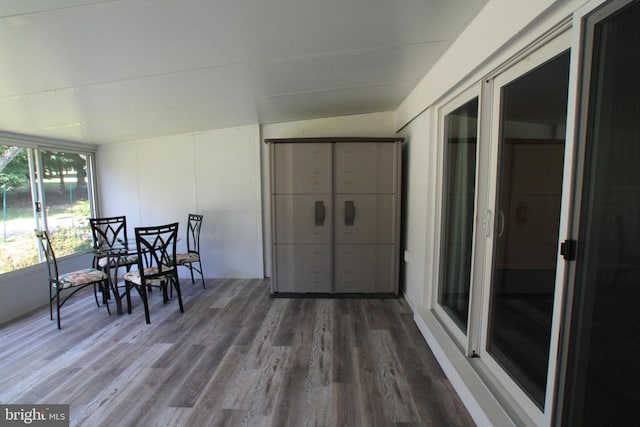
(109, 234)
(191, 258)
(74, 280)
(156, 267)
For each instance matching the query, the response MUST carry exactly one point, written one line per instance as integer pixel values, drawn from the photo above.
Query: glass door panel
(18, 247)
(528, 194)
(66, 193)
(460, 138)
(602, 366)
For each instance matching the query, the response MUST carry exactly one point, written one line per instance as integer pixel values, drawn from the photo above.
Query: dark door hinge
(568, 249)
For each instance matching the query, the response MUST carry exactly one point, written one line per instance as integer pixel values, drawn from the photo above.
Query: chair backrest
(193, 233)
(157, 249)
(109, 232)
(47, 249)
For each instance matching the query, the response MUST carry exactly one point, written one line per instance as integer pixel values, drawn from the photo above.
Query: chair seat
(187, 257)
(134, 276)
(81, 277)
(124, 260)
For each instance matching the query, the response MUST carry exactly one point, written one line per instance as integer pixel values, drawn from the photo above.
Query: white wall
(215, 173)
(419, 158)
(360, 125)
(228, 190)
(26, 289)
(486, 40)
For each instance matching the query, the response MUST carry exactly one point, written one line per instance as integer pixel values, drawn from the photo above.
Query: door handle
(487, 223)
(349, 212)
(500, 220)
(319, 212)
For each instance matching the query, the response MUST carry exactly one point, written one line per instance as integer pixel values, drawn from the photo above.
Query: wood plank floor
(234, 357)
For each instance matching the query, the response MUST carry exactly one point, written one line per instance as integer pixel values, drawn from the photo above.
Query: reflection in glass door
(461, 129)
(528, 194)
(602, 363)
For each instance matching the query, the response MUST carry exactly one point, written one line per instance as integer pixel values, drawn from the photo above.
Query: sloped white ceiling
(117, 70)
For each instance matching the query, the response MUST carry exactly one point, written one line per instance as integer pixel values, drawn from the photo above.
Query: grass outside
(21, 251)
(68, 225)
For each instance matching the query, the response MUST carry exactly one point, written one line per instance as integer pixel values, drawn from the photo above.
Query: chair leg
(201, 275)
(95, 295)
(176, 284)
(51, 297)
(143, 295)
(127, 291)
(58, 306)
(165, 294)
(107, 290)
(191, 271)
(105, 286)
(142, 290)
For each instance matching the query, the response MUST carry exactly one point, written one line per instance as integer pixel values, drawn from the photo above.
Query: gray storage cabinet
(335, 215)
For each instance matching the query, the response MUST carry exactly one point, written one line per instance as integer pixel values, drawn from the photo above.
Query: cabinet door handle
(319, 212)
(349, 212)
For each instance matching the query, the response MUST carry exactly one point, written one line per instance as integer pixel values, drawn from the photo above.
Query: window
(43, 189)
(460, 128)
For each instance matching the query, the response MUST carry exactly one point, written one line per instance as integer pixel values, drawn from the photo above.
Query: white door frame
(536, 58)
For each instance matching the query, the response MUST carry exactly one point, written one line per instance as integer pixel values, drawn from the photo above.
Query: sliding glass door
(602, 356)
(67, 194)
(503, 151)
(557, 339)
(530, 153)
(19, 214)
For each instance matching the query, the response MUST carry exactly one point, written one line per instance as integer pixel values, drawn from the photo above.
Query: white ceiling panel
(107, 71)
(346, 70)
(330, 103)
(25, 7)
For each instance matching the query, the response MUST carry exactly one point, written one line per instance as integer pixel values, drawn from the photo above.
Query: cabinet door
(302, 218)
(365, 268)
(365, 167)
(303, 268)
(302, 168)
(365, 218)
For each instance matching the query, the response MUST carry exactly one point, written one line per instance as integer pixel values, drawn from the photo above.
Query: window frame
(36, 146)
(446, 107)
(559, 43)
